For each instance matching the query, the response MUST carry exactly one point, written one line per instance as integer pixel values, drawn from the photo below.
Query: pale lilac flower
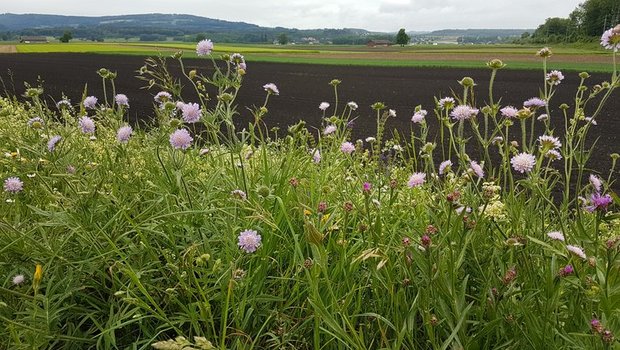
(87, 125)
(446, 103)
(611, 39)
(316, 156)
(121, 100)
(553, 154)
(418, 117)
(64, 103)
(13, 185)
(556, 235)
(509, 112)
(577, 251)
(179, 105)
(352, 105)
(249, 240)
(124, 133)
(446, 165)
(90, 102)
(460, 210)
(36, 123)
(463, 112)
(591, 121)
(239, 194)
(476, 168)
(204, 47)
(392, 113)
(162, 97)
(534, 102)
(599, 202)
(542, 117)
(347, 147)
(323, 106)
(237, 58)
(51, 144)
(549, 142)
(596, 182)
(181, 139)
(523, 162)
(330, 129)
(18, 279)
(243, 65)
(271, 88)
(554, 77)
(416, 179)
(370, 139)
(191, 112)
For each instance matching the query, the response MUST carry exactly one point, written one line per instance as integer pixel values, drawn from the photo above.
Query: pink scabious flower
(554, 77)
(87, 125)
(13, 185)
(347, 147)
(191, 112)
(316, 156)
(237, 58)
(599, 202)
(534, 102)
(611, 39)
(556, 235)
(416, 179)
(352, 105)
(523, 162)
(476, 168)
(446, 103)
(596, 182)
(323, 106)
(181, 139)
(18, 279)
(330, 129)
(36, 123)
(577, 251)
(463, 112)
(445, 166)
(64, 103)
(51, 144)
(549, 142)
(271, 88)
(249, 241)
(90, 102)
(418, 117)
(124, 133)
(162, 97)
(204, 47)
(121, 100)
(509, 112)
(553, 154)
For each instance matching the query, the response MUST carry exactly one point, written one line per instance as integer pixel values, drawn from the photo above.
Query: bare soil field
(8, 49)
(303, 87)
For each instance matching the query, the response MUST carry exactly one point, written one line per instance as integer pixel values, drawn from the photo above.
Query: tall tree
(66, 37)
(282, 39)
(402, 38)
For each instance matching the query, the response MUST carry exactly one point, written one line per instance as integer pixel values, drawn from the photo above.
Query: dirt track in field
(8, 49)
(303, 87)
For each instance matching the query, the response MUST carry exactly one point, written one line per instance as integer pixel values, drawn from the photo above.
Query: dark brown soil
(303, 87)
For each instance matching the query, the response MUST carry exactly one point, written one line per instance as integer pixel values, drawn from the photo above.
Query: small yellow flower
(307, 212)
(38, 275)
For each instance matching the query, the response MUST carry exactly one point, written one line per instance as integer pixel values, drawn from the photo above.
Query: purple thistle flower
(90, 102)
(13, 185)
(271, 88)
(87, 125)
(347, 147)
(121, 100)
(51, 144)
(181, 139)
(124, 133)
(534, 102)
(567, 270)
(366, 187)
(191, 112)
(249, 240)
(598, 202)
(204, 47)
(463, 112)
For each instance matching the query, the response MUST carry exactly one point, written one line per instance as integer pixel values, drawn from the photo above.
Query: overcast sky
(379, 15)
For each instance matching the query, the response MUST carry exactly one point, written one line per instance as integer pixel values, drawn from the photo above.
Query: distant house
(33, 39)
(379, 43)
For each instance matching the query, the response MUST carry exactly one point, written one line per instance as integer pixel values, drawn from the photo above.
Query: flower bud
(496, 64)
(467, 82)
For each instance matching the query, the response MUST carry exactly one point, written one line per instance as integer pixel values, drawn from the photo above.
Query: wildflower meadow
(490, 231)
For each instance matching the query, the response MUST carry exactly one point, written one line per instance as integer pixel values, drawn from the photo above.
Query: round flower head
(543, 117)
(124, 133)
(239, 194)
(611, 39)
(544, 52)
(476, 168)
(556, 235)
(416, 179)
(13, 185)
(237, 58)
(64, 103)
(599, 202)
(204, 47)
(392, 113)
(446, 103)
(352, 105)
(523, 162)
(509, 112)
(577, 251)
(191, 112)
(18, 279)
(595, 181)
(347, 147)
(87, 125)
(162, 97)
(316, 156)
(271, 88)
(51, 144)
(249, 241)
(553, 154)
(121, 100)
(181, 139)
(534, 102)
(445, 166)
(549, 142)
(418, 117)
(554, 77)
(463, 112)
(323, 106)
(36, 123)
(330, 129)
(90, 102)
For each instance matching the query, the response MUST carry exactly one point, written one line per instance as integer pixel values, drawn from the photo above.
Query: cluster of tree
(588, 21)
